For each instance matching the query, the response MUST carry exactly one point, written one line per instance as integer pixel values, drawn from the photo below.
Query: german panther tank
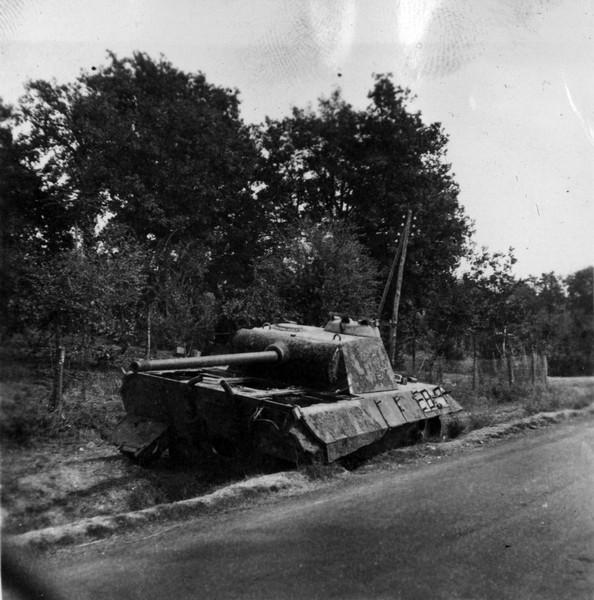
(295, 392)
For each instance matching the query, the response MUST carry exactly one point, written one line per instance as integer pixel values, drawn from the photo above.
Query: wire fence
(523, 369)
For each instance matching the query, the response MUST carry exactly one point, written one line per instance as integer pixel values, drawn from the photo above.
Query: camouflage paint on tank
(317, 394)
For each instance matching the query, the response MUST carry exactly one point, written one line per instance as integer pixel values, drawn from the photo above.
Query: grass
(46, 445)
(91, 404)
(461, 423)
(495, 403)
(90, 408)
(454, 427)
(319, 472)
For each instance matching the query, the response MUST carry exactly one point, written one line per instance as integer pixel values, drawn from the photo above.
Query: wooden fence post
(545, 369)
(510, 370)
(58, 378)
(440, 370)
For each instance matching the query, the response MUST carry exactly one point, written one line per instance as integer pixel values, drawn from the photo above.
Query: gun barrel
(218, 360)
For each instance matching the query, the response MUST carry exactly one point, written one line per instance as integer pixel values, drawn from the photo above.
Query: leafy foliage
(317, 269)
(27, 212)
(136, 153)
(134, 201)
(367, 168)
(575, 352)
(150, 147)
(488, 310)
(80, 293)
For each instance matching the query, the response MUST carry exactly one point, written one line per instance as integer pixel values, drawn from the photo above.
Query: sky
(511, 82)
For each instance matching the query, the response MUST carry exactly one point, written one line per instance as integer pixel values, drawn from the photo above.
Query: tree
(177, 307)
(366, 168)
(28, 214)
(546, 319)
(81, 293)
(141, 144)
(575, 352)
(480, 309)
(30, 221)
(142, 147)
(317, 269)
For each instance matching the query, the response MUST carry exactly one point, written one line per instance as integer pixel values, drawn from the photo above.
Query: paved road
(514, 519)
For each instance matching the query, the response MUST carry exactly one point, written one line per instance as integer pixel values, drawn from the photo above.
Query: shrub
(480, 421)
(23, 415)
(316, 472)
(454, 427)
(581, 402)
(542, 401)
(503, 393)
(90, 407)
(144, 495)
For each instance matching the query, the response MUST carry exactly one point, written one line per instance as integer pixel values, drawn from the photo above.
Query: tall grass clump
(89, 409)
(454, 427)
(542, 400)
(23, 413)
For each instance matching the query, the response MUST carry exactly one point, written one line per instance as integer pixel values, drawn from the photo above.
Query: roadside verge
(286, 483)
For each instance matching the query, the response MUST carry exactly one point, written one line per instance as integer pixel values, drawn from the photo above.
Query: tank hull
(234, 415)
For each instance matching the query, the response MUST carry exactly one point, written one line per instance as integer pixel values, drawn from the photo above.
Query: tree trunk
(56, 402)
(474, 366)
(148, 333)
(510, 370)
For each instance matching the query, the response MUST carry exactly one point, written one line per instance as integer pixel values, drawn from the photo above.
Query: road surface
(512, 519)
